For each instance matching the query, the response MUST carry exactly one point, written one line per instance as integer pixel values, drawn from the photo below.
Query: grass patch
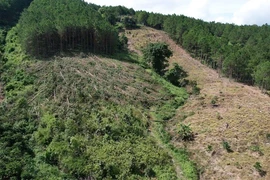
(180, 156)
(166, 111)
(178, 95)
(125, 57)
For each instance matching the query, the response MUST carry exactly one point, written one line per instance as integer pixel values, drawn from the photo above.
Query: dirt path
(224, 111)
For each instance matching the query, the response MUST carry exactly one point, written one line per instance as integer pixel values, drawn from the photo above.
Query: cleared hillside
(225, 111)
(85, 116)
(70, 112)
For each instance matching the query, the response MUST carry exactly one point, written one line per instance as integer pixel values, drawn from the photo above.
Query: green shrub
(214, 100)
(258, 168)
(163, 134)
(123, 42)
(188, 167)
(185, 132)
(129, 22)
(226, 146)
(176, 75)
(256, 149)
(209, 148)
(166, 111)
(156, 55)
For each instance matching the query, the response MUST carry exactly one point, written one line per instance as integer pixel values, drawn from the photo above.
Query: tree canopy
(113, 13)
(234, 50)
(156, 54)
(49, 27)
(262, 75)
(10, 11)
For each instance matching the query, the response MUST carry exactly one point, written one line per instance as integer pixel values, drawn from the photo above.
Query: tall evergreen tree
(49, 27)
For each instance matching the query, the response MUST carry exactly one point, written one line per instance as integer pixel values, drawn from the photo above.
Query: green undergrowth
(178, 97)
(161, 114)
(85, 116)
(180, 155)
(78, 118)
(125, 56)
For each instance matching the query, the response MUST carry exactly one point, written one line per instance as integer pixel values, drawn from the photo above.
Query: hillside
(77, 105)
(86, 93)
(225, 111)
(84, 116)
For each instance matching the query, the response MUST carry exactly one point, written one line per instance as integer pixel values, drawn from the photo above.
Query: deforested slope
(79, 117)
(70, 112)
(225, 111)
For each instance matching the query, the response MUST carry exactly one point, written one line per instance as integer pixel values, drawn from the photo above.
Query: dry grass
(241, 117)
(70, 79)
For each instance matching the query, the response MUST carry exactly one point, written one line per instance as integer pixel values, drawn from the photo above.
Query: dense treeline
(10, 11)
(238, 51)
(49, 27)
(114, 14)
(154, 20)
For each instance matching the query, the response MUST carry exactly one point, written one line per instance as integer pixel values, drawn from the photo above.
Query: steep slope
(225, 111)
(80, 117)
(86, 117)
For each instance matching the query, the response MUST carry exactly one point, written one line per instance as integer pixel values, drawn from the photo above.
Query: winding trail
(224, 111)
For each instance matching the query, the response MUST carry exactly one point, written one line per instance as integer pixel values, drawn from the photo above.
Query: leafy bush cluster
(259, 168)
(185, 132)
(226, 146)
(176, 75)
(156, 55)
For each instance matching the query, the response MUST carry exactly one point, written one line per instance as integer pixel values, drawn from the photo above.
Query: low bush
(226, 146)
(185, 132)
(259, 169)
(176, 75)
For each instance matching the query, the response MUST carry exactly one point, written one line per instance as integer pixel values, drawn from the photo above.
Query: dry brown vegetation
(224, 111)
(114, 81)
